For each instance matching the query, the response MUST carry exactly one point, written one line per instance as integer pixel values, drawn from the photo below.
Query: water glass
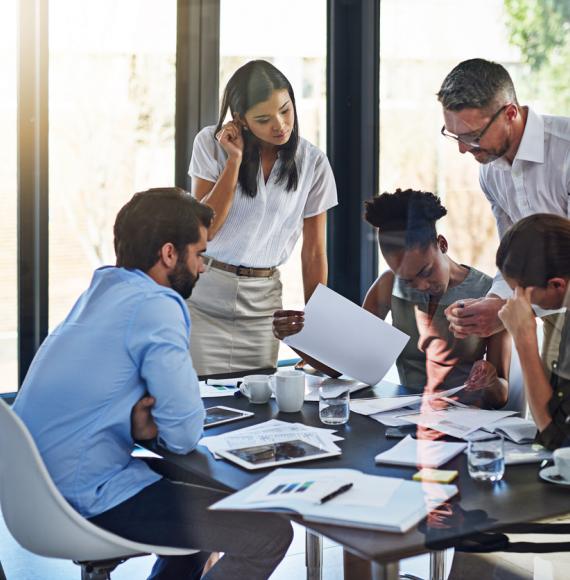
(334, 405)
(486, 458)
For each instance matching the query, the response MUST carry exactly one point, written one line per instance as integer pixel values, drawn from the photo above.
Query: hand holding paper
(346, 337)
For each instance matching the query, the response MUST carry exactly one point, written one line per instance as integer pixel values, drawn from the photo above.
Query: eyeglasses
(473, 139)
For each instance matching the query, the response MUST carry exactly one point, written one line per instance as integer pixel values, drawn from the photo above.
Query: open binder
(372, 502)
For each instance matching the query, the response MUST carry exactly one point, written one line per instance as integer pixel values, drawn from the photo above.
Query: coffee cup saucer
(551, 475)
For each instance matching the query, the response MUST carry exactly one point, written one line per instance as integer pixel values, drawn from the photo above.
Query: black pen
(336, 492)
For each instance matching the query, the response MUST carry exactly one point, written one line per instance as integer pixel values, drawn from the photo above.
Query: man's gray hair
(477, 84)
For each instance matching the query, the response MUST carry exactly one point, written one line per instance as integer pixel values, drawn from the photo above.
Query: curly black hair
(404, 219)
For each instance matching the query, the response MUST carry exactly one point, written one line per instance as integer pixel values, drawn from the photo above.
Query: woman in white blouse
(267, 185)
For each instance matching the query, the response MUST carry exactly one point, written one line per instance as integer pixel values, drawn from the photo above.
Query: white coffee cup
(257, 388)
(562, 461)
(289, 388)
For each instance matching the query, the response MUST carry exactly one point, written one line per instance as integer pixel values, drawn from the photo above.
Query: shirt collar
(531, 147)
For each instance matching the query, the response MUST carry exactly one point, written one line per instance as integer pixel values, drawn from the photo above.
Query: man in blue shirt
(118, 369)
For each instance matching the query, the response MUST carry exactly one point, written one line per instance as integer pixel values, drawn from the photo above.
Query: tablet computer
(276, 454)
(219, 414)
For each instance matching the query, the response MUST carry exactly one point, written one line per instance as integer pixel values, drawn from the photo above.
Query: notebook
(413, 452)
(371, 502)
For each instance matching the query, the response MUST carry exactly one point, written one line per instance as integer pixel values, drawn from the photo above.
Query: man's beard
(182, 280)
(490, 154)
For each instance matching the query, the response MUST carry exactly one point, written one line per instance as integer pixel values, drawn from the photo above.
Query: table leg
(354, 567)
(313, 555)
(385, 571)
(437, 565)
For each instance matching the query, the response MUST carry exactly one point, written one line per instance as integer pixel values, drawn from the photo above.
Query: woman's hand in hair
(287, 322)
(231, 139)
(518, 317)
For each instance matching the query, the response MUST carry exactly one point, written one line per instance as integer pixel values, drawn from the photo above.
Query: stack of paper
(269, 432)
(378, 405)
(516, 429)
(457, 422)
(412, 452)
(371, 502)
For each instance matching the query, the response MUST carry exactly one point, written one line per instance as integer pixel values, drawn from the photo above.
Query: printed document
(372, 502)
(347, 338)
(383, 404)
(456, 421)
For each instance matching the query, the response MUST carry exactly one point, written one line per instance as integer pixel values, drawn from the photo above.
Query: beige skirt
(232, 322)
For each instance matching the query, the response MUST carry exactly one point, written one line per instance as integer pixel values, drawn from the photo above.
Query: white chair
(42, 521)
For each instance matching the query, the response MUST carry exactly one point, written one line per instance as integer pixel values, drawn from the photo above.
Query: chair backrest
(36, 513)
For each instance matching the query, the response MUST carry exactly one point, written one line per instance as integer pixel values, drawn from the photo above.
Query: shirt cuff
(500, 288)
(552, 437)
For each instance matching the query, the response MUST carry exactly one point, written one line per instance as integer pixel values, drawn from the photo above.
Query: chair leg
(100, 570)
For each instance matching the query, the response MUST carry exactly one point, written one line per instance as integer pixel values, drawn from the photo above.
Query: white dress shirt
(538, 181)
(261, 231)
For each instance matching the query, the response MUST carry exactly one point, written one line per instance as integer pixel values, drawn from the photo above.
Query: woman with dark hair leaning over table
(421, 282)
(267, 186)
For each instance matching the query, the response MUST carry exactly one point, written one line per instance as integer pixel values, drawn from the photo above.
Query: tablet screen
(219, 414)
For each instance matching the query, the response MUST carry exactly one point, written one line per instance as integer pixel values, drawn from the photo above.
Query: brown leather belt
(240, 270)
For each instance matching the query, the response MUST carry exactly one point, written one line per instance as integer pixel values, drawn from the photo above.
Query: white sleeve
(322, 195)
(500, 287)
(504, 222)
(207, 159)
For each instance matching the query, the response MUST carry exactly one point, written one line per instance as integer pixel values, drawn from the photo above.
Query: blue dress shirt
(126, 336)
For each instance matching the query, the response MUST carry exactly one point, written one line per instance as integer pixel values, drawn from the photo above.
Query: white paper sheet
(272, 431)
(384, 404)
(331, 385)
(396, 418)
(516, 429)
(413, 452)
(215, 390)
(347, 338)
(457, 422)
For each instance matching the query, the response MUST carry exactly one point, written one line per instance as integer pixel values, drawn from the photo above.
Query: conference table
(479, 507)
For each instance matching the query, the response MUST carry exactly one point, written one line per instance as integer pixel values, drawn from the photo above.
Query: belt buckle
(245, 271)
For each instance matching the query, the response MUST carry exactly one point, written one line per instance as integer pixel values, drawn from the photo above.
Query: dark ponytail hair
(251, 84)
(536, 249)
(405, 219)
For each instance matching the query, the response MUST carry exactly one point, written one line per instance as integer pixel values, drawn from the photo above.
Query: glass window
(420, 43)
(303, 62)
(112, 98)
(8, 198)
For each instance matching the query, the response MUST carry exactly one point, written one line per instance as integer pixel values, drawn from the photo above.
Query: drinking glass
(334, 405)
(486, 458)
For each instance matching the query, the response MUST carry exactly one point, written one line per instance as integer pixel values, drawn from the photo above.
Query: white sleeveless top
(261, 231)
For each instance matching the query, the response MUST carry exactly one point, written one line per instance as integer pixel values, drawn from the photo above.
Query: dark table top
(520, 497)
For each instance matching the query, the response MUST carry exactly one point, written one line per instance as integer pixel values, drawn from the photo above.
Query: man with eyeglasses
(525, 169)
